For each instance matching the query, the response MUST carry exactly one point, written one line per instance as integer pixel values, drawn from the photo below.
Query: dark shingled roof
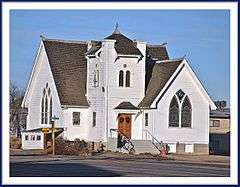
(220, 114)
(126, 105)
(96, 45)
(157, 52)
(124, 45)
(161, 73)
(69, 68)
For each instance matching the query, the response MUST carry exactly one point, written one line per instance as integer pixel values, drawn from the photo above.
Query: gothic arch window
(180, 110)
(186, 113)
(46, 106)
(174, 113)
(121, 78)
(128, 79)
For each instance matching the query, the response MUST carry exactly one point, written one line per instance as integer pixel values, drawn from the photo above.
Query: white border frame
(232, 6)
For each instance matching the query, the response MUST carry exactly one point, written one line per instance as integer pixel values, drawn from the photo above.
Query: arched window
(121, 78)
(50, 108)
(186, 113)
(174, 113)
(46, 110)
(46, 106)
(128, 79)
(42, 110)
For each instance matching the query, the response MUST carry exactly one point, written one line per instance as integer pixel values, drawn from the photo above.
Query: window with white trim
(180, 111)
(215, 123)
(174, 113)
(96, 78)
(46, 106)
(146, 119)
(26, 137)
(120, 79)
(94, 119)
(76, 118)
(38, 137)
(186, 113)
(127, 78)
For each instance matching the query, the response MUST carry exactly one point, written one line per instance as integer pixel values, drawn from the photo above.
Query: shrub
(15, 143)
(65, 147)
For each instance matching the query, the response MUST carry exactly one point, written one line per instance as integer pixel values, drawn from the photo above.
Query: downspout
(143, 124)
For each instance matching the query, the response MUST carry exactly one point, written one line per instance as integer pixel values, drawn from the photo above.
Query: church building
(127, 94)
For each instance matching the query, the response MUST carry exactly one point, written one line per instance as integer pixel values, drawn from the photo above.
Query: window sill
(180, 127)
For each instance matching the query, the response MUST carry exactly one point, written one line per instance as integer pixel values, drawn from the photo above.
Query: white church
(125, 93)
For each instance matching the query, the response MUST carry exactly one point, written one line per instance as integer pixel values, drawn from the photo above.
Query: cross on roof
(116, 31)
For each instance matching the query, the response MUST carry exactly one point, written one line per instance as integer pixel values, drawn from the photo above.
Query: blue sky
(202, 35)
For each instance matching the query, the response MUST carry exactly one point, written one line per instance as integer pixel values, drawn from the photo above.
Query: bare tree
(17, 113)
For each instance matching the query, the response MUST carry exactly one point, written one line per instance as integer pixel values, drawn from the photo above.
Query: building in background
(219, 129)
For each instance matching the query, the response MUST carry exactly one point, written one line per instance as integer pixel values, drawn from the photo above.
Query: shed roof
(220, 114)
(126, 105)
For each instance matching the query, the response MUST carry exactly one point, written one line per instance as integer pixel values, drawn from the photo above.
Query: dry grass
(15, 143)
(64, 147)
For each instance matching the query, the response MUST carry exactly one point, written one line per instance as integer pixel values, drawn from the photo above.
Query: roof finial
(42, 37)
(116, 31)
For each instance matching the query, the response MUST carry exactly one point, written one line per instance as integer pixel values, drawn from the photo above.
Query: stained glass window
(180, 95)
(186, 113)
(46, 106)
(174, 113)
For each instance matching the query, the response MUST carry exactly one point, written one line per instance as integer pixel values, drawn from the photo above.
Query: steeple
(116, 31)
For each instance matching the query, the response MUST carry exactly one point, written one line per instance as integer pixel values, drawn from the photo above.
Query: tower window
(121, 78)
(128, 79)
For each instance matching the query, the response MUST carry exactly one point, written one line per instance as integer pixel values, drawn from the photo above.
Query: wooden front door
(125, 124)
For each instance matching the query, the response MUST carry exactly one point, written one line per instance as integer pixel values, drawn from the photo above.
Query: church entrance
(125, 124)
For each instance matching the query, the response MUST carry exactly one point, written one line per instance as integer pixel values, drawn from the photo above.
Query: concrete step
(144, 146)
(140, 146)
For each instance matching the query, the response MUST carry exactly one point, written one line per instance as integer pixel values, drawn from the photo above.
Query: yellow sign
(45, 130)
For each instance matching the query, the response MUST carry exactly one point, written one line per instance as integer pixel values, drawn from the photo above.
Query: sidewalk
(208, 159)
(198, 159)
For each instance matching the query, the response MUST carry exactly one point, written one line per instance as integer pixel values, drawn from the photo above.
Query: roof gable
(69, 69)
(161, 73)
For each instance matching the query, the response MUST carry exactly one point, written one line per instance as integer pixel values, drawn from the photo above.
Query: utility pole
(53, 134)
(53, 138)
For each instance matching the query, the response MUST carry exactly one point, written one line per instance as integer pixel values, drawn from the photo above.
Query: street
(70, 166)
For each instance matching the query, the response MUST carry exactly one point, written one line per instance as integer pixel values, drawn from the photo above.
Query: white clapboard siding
(41, 76)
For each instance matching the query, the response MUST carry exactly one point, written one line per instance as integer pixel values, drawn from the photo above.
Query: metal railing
(159, 145)
(126, 142)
